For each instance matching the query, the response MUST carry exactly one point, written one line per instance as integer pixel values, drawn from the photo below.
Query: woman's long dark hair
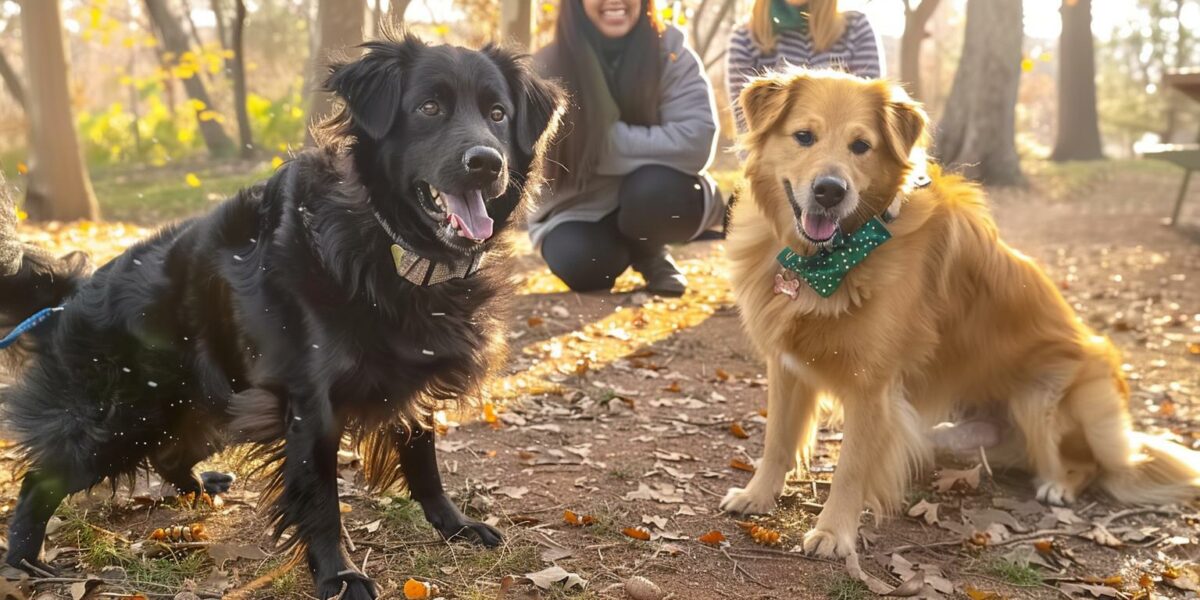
(573, 58)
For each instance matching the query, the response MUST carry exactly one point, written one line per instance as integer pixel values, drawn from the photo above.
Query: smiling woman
(629, 174)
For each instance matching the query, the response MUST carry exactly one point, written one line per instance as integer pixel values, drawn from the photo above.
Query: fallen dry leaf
(546, 578)
(1085, 589)
(928, 511)
(571, 518)
(856, 571)
(82, 589)
(712, 538)
(974, 593)
(664, 493)
(513, 492)
(722, 375)
(489, 415)
(224, 552)
(1183, 578)
(674, 387)
(949, 478)
(637, 533)
(741, 465)
(738, 431)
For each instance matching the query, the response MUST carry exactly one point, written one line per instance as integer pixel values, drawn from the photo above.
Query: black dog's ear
(371, 85)
(540, 103)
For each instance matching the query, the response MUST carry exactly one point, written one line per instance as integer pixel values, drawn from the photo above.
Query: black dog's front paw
(347, 585)
(453, 525)
(34, 567)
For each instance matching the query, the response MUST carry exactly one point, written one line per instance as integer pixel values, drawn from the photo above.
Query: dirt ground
(636, 414)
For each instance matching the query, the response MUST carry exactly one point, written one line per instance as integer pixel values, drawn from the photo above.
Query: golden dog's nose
(829, 191)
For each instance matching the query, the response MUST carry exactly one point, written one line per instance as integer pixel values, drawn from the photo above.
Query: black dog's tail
(31, 278)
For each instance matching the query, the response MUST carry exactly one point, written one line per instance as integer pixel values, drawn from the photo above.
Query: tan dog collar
(422, 271)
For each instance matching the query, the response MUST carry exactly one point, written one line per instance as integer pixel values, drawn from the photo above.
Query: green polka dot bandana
(825, 270)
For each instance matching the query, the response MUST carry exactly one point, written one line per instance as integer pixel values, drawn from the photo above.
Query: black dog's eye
(805, 138)
(430, 108)
(860, 147)
(498, 114)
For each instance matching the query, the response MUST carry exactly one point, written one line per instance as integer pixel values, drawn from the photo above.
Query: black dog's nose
(829, 191)
(483, 164)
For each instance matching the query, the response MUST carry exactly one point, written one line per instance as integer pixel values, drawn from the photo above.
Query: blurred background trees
(221, 90)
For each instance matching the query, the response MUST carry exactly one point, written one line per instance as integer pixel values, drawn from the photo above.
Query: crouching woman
(627, 175)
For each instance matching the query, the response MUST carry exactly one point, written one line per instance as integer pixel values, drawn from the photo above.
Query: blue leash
(28, 325)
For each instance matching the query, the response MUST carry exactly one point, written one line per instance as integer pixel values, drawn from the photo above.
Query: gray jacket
(685, 140)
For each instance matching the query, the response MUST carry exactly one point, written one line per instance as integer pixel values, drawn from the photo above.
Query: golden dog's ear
(904, 124)
(763, 101)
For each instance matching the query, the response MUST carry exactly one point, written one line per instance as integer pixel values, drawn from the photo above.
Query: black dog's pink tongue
(469, 215)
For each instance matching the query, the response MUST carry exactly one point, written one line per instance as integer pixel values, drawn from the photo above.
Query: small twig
(365, 558)
(986, 466)
(36, 569)
(738, 567)
(265, 579)
(349, 540)
(1037, 535)
(800, 555)
(1106, 521)
(707, 491)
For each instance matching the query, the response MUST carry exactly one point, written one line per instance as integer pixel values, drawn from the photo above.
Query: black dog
(353, 291)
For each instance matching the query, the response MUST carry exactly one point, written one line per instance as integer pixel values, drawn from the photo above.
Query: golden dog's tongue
(469, 215)
(818, 227)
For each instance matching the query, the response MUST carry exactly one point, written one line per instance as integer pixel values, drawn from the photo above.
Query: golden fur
(943, 320)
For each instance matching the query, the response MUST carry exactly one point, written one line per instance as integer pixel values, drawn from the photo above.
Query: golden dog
(940, 321)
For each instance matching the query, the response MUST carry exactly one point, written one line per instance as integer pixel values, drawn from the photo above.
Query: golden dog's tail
(1159, 472)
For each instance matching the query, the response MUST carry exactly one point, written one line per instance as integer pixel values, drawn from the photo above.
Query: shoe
(661, 274)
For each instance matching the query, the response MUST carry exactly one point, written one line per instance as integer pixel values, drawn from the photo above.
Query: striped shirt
(857, 51)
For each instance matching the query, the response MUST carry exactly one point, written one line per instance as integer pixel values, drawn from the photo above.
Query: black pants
(657, 206)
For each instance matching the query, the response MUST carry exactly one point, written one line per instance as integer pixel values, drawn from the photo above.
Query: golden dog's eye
(805, 138)
(430, 108)
(860, 147)
(498, 114)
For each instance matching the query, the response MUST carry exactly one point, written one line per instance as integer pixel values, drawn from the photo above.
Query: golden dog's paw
(829, 544)
(747, 502)
(1056, 494)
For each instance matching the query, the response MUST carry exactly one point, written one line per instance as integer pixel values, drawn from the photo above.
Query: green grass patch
(845, 587)
(404, 515)
(472, 566)
(621, 474)
(170, 571)
(1015, 572)
(151, 196)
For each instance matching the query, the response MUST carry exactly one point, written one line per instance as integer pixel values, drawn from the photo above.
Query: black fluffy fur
(279, 318)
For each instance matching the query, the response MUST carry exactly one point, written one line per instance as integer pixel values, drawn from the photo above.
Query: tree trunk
(175, 41)
(59, 187)
(12, 81)
(1078, 120)
(978, 130)
(915, 21)
(238, 72)
(516, 22)
(222, 34)
(339, 31)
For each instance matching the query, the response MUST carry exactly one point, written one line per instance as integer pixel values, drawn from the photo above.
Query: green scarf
(786, 17)
(825, 270)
